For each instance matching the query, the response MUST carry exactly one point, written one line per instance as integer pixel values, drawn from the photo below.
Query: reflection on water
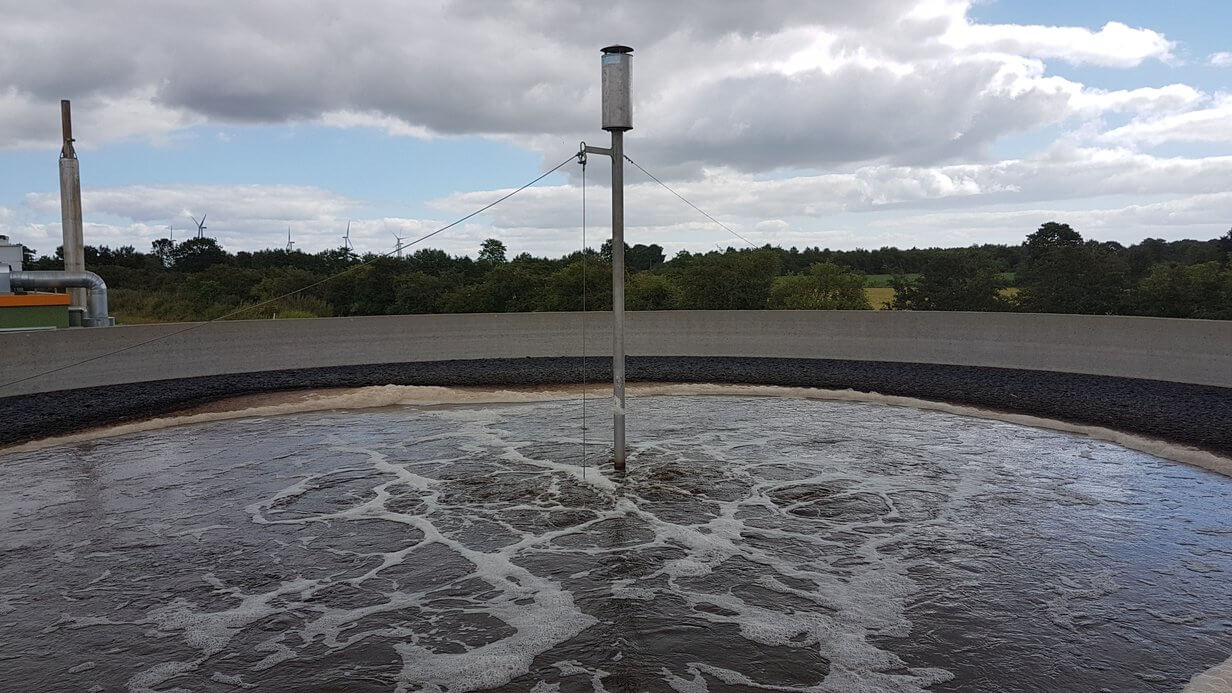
(755, 544)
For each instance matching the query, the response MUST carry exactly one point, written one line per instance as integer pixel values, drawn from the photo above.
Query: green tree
(437, 263)
(1141, 257)
(417, 292)
(507, 288)
(1087, 279)
(639, 258)
(197, 254)
(281, 281)
(729, 281)
(826, 286)
(1051, 235)
(162, 249)
(492, 251)
(648, 291)
(1173, 290)
(366, 290)
(951, 282)
(564, 287)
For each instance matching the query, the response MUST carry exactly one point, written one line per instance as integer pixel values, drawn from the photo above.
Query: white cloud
(1210, 124)
(174, 203)
(1144, 100)
(869, 207)
(1062, 173)
(1114, 45)
(240, 216)
(754, 85)
(247, 217)
(1195, 216)
(29, 122)
(1221, 59)
(391, 125)
(900, 102)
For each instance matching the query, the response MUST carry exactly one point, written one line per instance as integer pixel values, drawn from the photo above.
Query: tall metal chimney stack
(70, 206)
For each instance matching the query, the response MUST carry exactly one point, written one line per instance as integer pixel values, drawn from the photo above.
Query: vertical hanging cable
(582, 160)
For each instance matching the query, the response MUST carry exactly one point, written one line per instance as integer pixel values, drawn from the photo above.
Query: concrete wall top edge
(1191, 351)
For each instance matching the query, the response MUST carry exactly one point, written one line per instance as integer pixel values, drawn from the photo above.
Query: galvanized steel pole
(73, 246)
(617, 81)
(618, 299)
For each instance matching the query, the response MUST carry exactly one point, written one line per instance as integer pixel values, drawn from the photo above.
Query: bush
(827, 286)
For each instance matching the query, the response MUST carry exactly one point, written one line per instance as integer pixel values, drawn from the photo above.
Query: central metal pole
(617, 74)
(618, 299)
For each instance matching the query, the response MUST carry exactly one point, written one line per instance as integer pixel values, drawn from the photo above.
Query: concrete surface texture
(1183, 351)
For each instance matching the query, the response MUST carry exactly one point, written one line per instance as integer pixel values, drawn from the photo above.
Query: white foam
(145, 681)
(855, 605)
(1217, 679)
(231, 680)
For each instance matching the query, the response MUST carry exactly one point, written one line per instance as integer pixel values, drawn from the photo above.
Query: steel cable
(313, 285)
(682, 199)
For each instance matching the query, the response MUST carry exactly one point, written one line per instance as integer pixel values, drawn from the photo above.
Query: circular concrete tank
(459, 541)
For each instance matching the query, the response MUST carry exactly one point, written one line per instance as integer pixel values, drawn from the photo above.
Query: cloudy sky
(829, 123)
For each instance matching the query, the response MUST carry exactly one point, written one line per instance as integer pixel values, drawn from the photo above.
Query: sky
(832, 124)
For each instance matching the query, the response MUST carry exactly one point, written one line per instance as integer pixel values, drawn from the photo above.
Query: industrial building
(40, 300)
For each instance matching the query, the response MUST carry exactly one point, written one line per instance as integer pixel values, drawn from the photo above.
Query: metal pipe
(618, 299)
(96, 301)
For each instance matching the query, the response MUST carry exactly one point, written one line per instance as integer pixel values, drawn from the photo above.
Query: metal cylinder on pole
(617, 82)
(73, 246)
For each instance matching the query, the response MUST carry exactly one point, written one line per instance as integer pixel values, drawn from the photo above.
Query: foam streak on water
(756, 544)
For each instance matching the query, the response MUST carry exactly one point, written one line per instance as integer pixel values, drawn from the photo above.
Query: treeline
(1054, 270)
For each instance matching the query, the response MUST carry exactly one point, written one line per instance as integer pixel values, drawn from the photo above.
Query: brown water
(757, 543)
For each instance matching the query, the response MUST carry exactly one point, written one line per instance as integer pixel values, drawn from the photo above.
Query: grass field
(877, 281)
(878, 296)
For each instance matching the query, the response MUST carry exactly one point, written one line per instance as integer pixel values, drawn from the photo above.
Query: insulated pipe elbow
(96, 297)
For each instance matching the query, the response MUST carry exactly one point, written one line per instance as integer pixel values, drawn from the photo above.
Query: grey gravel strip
(1195, 415)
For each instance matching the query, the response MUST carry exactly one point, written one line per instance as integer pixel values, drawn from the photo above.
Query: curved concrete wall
(1186, 351)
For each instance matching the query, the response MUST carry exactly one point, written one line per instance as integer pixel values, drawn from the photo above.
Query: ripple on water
(756, 543)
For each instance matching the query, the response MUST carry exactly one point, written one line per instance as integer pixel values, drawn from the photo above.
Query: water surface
(755, 544)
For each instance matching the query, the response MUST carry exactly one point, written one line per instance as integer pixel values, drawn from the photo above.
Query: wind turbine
(346, 240)
(171, 231)
(290, 243)
(200, 225)
(398, 247)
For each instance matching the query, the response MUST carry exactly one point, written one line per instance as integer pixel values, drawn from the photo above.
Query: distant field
(878, 281)
(878, 296)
